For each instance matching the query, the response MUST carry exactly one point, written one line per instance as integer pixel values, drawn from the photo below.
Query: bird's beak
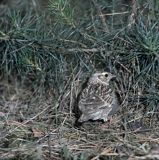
(113, 77)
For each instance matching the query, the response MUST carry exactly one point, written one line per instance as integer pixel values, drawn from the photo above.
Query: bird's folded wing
(93, 103)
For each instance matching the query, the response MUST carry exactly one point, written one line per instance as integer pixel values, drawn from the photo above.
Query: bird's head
(101, 78)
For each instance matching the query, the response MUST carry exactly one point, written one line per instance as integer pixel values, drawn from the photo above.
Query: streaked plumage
(97, 101)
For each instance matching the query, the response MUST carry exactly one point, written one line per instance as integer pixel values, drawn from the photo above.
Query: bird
(97, 100)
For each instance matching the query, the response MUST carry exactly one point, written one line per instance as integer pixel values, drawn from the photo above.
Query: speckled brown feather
(97, 101)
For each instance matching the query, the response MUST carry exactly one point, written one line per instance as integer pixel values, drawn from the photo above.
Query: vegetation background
(47, 50)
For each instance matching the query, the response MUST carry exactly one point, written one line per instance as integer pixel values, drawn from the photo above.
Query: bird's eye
(106, 75)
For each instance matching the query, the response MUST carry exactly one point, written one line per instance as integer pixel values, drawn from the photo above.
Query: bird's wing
(115, 105)
(94, 102)
(94, 108)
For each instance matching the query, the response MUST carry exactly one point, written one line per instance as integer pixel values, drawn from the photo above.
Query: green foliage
(147, 37)
(63, 11)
